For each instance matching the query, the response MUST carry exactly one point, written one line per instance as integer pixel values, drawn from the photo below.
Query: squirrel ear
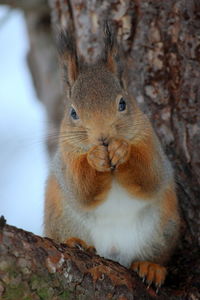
(112, 53)
(68, 56)
(110, 48)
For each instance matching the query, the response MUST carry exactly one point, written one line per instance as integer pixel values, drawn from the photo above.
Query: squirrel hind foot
(77, 243)
(150, 273)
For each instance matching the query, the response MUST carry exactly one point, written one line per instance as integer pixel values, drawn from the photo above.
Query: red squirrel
(110, 186)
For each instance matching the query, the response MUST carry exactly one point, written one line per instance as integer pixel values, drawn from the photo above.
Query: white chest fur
(123, 228)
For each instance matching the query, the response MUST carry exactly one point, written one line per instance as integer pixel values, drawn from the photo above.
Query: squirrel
(111, 187)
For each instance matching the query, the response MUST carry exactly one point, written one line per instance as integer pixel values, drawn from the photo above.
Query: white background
(23, 157)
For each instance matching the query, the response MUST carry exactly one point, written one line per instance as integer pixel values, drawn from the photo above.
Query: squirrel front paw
(119, 151)
(98, 158)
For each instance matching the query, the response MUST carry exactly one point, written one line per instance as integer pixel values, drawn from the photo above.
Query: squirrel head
(98, 108)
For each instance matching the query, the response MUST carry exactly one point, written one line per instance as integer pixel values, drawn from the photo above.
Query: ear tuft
(110, 47)
(66, 46)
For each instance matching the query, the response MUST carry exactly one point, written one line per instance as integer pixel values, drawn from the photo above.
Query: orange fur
(170, 206)
(98, 158)
(119, 152)
(140, 175)
(111, 64)
(73, 72)
(104, 138)
(92, 186)
(53, 207)
(153, 273)
(74, 242)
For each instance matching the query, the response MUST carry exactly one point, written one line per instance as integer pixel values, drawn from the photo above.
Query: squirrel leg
(150, 272)
(74, 242)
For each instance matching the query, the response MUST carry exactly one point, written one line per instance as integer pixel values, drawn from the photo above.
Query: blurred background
(23, 126)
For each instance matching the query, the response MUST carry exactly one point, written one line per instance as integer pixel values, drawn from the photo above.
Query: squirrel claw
(157, 290)
(153, 273)
(79, 244)
(158, 285)
(149, 284)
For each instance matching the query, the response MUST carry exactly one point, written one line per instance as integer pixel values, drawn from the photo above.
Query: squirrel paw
(74, 242)
(150, 272)
(119, 151)
(98, 158)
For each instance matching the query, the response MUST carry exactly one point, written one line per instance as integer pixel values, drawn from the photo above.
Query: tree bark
(36, 268)
(160, 50)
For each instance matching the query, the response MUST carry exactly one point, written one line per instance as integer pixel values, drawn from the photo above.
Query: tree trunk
(161, 54)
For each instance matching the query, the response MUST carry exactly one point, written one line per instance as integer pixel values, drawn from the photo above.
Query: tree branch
(35, 266)
(32, 267)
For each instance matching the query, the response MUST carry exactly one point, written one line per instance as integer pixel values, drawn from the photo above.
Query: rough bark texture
(37, 268)
(160, 45)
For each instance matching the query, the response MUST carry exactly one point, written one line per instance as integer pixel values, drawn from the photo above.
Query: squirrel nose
(103, 141)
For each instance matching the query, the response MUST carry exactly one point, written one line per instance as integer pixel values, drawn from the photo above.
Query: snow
(23, 156)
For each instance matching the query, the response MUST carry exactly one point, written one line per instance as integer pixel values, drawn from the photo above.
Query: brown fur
(53, 208)
(103, 144)
(74, 242)
(92, 186)
(73, 72)
(150, 272)
(170, 206)
(111, 65)
(140, 175)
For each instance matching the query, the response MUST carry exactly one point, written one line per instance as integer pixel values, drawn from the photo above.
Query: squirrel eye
(122, 105)
(73, 114)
